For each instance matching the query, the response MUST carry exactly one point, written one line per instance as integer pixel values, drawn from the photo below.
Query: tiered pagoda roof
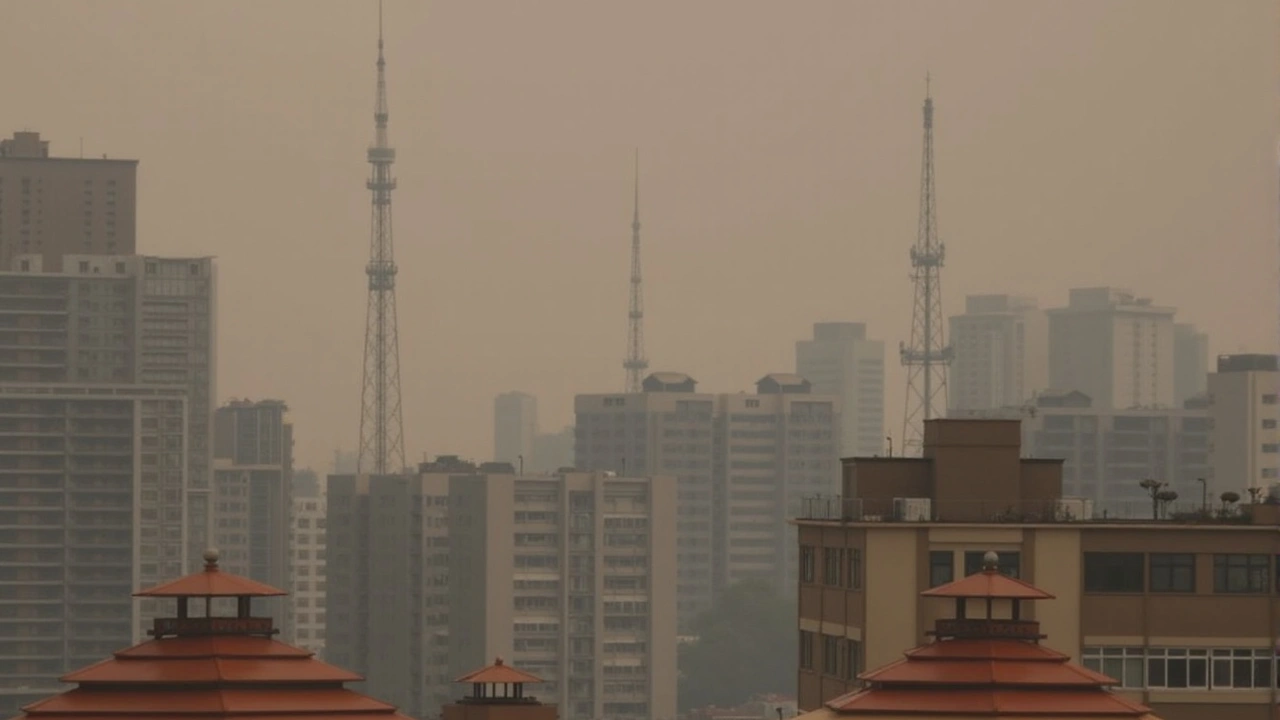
(211, 667)
(990, 666)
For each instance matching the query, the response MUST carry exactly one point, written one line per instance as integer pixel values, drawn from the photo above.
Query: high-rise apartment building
(92, 478)
(515, 426)
(1113, 346)
(840, 360)
(122, 319)
(742, 463)
(1245, 411)
(386, 612)
(252, 486)
(1001, 348)
(1181, 614)
(55, 206)
(572, 577)
(1190, 362)
(1106, 453)
(308, 563)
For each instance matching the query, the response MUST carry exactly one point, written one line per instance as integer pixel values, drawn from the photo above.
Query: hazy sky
(1079, 142)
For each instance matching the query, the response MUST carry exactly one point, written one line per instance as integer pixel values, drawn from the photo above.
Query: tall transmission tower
(636, 363)
(381, 422)
(927, 355)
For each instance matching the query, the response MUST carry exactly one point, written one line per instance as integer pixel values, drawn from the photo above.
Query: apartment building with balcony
(1183, 613)
(742, 462)
(308, 565)
(573, 577)
(91, 508)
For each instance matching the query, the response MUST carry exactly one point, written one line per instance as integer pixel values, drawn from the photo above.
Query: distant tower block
(636, 363)
(381, 422)
(927, 355)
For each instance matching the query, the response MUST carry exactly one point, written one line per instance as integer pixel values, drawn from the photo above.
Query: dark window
(1010, 563)
(942, 567)
(1173, 572)
(1112, 572)
(1239, 573)
(806, 650)
(831, 562)
(806, 563)
(853, 661)
(830, 655)
(854, 578)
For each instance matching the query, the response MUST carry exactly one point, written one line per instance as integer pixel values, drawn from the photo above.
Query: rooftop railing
(834, 508)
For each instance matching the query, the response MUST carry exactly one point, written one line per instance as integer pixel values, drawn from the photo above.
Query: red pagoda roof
(989, 667)
(211, 667)
(211, 582)
(498, 674)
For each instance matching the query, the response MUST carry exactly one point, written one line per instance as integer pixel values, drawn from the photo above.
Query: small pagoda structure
(497, 693)
(985, 662)
(201, 665)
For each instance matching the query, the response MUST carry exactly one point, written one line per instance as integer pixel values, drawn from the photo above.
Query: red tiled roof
(988, 701)
(498, 674)
(211, 582)
(989, 584)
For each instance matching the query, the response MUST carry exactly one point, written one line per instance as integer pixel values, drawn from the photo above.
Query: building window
(1009, 563)
(1173, 572)
(831, 655)
(753, 403)
(1178, 668)
(806, 563)
(1270, 447)
(942, 567)
(1123, 664)
(1269, 399)
(1269, 424)
(1113, 572)
(853, 659)
(831, 562)
(806, 650)
(854, 576)
(1239, 573)
(1242, 668)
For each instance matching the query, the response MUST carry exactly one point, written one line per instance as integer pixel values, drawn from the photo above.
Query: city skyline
(1064, 195)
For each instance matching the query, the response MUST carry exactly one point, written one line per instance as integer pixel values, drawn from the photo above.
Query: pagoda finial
(211, 559)
(991, 561)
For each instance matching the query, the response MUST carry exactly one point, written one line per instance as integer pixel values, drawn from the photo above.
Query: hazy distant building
(1114, 347)
(252, 492)
(387, 562)
(515, 425)
(1243, 405)
(122, 319)
(1107, 452)
(742, 464)
(1001, 350)
(91, 481)
(1190, 362)
(841, 361)
(571, 577)
(307, 569)
(54, 206)
(552, 451)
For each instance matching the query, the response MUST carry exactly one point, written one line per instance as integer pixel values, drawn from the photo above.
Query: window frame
(806, 650)
(832, 565)
(1131, 661)
(1164, 658)
(807, 561)
(853, 659)
(853, 556)
(831, 655)
(1170, 568)
(1245, 661)
(1100, 578)
(936, 567)
(1256, 568)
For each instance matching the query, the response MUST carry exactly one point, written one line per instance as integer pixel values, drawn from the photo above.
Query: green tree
(746, 645)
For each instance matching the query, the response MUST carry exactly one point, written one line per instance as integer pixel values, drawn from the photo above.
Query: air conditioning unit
(913, 509)
(1073, 509)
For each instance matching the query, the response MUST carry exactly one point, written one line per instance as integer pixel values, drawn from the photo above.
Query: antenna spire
(928, 355)
(636, 363)
(381, 422)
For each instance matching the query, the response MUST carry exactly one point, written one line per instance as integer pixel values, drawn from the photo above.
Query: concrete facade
(1245, 411)
(1113, 346)
(841, 361)
(515, 428)
(308, 571)
(1001, 349)
(55, 206)
(1190, 362)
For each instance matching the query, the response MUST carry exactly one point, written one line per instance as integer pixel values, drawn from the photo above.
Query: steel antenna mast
(636, 363)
